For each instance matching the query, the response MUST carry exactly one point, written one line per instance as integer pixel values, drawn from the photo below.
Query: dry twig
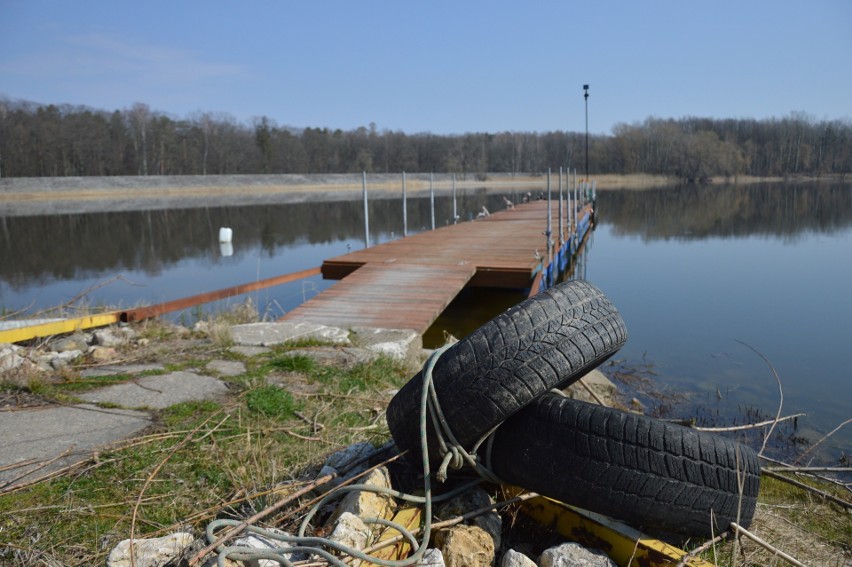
(829, 434)
(742, 531)
(780, 392)
(803, 486)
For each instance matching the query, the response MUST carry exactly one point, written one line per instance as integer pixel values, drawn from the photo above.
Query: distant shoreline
(28, 196)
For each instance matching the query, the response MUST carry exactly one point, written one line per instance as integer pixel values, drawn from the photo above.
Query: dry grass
(200, 459)
(240, 455)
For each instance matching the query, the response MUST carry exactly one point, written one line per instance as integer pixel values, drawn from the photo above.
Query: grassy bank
(267, 438)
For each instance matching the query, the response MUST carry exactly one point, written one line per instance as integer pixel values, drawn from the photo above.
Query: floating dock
(407, 283)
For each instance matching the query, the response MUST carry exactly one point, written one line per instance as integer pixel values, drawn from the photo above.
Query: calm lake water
(692, 270)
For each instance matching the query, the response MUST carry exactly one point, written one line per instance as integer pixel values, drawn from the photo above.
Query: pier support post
(455, 210)
(404, 208)
(561, 224)
(432, 199)
(366, 210)
(549, 231)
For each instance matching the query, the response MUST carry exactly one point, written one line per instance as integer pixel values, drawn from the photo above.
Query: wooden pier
(407, 283)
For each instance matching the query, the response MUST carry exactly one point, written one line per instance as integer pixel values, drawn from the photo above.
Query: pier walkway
(407, 283)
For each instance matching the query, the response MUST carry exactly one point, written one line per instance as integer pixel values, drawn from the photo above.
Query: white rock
(514, 558)
(366, 504)
(149, 552)
(63, 359)
(9, 357)
(261, 542)
(574, 555)
(432, 558)
(110, 337)
(351, 531)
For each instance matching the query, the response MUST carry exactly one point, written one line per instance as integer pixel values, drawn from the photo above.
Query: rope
(454, 456)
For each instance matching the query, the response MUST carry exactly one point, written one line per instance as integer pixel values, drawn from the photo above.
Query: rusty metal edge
(20, 334)
(625, 545)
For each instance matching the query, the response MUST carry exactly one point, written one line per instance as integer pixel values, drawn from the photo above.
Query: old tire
(543, 342)
(649, 473)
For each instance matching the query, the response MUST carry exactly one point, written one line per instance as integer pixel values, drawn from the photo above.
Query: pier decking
(407, 283)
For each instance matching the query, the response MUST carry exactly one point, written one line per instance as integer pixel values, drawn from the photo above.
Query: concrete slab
(118, 369)
(157, 392)
(38, 436)
(269, 334)
(399, 344)
(226, 367)
(250, 351)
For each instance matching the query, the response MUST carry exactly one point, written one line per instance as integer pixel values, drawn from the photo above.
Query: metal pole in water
(549, 224)
(561, 227)
(574, 204)
(366, 210)
(432, 200)
(455, 211)
(404, 208)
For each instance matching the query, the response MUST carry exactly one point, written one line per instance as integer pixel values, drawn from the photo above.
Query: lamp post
(586, 97)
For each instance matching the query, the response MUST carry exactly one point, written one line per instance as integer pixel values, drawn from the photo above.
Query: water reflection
(785, 211)
(35, 250)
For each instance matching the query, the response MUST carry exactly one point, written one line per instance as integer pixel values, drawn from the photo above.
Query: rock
(149, 552)
(340, 460)
(250, 351)
(75, 341)
(637, 405)
(465, 546)
(269, 334)
(431, 558)
(398, 344)
(261, 542)
(226, 367)
(598, 383)
(110, 337)
(351, 531)
(574, 555)
(65, 358)
(103, 354)
(9, 358)
(366, 504)
(474, 499)
(514, 558)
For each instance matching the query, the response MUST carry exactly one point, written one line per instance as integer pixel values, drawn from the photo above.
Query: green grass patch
(292, 363)
(271, 401)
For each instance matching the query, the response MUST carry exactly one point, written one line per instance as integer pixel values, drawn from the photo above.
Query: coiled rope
(454, 456)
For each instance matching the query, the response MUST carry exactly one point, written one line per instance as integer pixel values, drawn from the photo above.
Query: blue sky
(446, 67)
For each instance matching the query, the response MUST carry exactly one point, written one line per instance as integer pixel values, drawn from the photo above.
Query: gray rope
(454, 456)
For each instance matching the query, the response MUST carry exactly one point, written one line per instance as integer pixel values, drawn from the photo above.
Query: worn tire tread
(600, 458)
(544, 342)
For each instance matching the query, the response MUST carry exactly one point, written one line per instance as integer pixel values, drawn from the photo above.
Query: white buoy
(226, 249)
(225, 234)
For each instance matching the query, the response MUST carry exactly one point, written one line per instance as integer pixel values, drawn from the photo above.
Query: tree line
(62, 140)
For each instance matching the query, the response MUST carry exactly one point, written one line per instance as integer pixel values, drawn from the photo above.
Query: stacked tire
(649, 473)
